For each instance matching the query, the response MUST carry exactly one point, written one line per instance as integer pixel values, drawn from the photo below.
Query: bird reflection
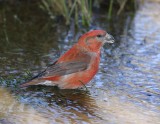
(52, 100)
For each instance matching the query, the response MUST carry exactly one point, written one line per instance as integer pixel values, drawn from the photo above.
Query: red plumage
(78, 65)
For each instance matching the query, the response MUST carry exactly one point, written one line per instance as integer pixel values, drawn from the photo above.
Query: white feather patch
(47, 83)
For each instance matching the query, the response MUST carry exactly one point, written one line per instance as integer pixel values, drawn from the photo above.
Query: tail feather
(32, 82)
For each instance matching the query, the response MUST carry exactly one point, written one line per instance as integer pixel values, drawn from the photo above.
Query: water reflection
(50, 105)
(11, 111)
(72, 105)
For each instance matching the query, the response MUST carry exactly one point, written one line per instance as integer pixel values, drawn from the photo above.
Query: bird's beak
(109, 38)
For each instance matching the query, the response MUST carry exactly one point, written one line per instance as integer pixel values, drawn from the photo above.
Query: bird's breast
(86, 75)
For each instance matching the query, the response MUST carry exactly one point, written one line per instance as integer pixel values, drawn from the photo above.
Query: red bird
(77, 66)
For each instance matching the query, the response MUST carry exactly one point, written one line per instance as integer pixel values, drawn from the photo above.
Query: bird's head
(95, 39)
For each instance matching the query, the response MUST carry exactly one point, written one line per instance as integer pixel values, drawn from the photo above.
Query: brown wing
(78, 63)
(65, 68)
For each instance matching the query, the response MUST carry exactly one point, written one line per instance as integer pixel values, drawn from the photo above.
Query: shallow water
(125, 90)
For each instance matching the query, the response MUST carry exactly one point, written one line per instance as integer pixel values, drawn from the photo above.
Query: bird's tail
(34, 80)
(31, 82)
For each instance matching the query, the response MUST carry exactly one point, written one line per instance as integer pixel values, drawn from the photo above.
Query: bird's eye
(99, 36)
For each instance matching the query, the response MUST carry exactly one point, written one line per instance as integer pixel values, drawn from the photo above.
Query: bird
(77, 66)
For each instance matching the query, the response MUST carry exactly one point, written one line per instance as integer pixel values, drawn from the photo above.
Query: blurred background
(126, 90)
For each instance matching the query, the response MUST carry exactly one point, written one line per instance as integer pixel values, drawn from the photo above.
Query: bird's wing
(65, 68)
(68, 65)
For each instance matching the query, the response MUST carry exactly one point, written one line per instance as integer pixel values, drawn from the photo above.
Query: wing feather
(65, 68)
(69, 65)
